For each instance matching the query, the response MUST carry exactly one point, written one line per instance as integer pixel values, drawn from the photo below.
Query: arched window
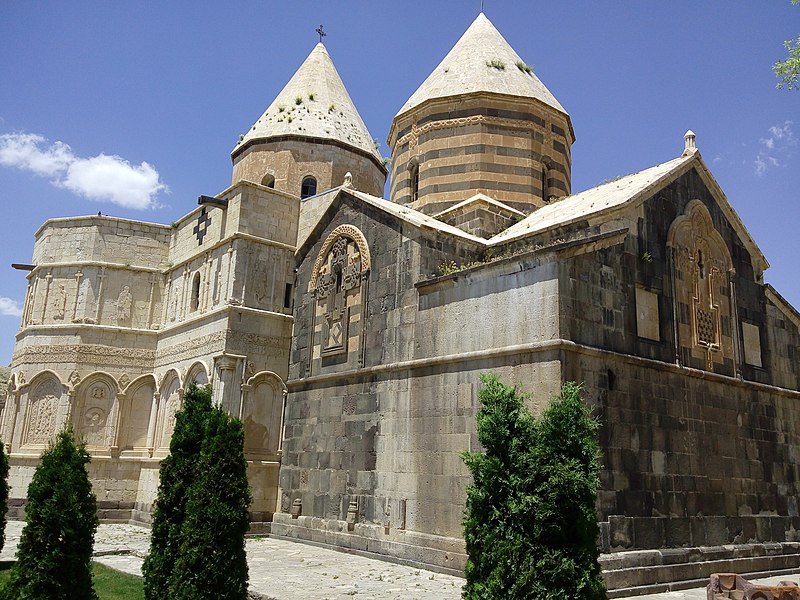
(308, 187)
(268, 180)
(196, 292)
(414, 176)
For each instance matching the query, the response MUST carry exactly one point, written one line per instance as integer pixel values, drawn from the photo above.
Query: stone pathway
(281, 570)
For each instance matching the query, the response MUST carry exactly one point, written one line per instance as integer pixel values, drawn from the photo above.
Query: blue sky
(156, 94)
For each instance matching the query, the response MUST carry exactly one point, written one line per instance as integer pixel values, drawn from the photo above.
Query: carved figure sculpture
(124, 302)
(59, 303)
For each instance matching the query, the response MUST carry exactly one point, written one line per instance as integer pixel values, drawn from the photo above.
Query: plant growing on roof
(525, 68)
(496, 63)
(298, 100)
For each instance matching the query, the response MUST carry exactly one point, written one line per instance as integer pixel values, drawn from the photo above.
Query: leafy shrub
(200, 518)
(55, 549)
(530, 523)
(212, 560)
(176, 475)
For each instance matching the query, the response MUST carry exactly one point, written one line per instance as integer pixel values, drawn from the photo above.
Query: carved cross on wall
(200, 230)
(342, 274)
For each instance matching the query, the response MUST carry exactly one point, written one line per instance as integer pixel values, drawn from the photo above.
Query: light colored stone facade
(121, 316)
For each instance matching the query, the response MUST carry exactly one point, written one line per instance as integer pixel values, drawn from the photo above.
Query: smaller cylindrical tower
(481, 123)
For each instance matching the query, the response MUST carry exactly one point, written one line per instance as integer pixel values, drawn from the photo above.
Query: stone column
(151, 424)
(226, 388)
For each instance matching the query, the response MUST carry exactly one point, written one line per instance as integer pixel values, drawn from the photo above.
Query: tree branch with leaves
(788, 70)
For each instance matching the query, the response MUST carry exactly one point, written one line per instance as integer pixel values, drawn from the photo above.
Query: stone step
(654, 571)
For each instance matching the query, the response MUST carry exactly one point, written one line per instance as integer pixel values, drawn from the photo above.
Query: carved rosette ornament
(336, 284)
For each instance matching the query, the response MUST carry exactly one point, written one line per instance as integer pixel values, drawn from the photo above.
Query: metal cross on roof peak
(321, 33)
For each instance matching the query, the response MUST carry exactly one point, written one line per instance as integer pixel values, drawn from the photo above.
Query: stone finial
(690, 147)
(348, 180)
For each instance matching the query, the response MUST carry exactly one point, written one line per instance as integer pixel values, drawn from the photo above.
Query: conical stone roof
(481, 61)
(314, 104)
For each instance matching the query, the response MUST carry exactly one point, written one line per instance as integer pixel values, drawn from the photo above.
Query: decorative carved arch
(87, 381)
(44, 394)
(696, 223)
(348, 231)
(95, 409)
(197, 367)
(136, 412)
(267, 376)
(167, 378)
(263, 414)
(141, 380)
(36, 379)
(702, 292)
(169, 404)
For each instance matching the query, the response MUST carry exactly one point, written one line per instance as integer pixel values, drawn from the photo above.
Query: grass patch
(109, 583)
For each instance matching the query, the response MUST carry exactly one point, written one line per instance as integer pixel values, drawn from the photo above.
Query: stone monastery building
(348, 331)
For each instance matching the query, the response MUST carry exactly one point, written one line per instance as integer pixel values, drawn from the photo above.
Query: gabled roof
(479, 199)
(467, 68)
(324, 110)
(594, 200)
(313, 209)
(626, 191)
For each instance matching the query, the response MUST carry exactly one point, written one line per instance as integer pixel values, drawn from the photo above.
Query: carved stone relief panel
(58, 306)
(124, 305)
(93, 417)
(702, 286)
(337, 284)
(42, 411)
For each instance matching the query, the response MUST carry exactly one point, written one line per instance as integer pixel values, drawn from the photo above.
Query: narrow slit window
(414, 182)
(287, 296)
(196, 292)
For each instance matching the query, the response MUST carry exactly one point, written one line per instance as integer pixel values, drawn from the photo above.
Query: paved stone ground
(282, 570)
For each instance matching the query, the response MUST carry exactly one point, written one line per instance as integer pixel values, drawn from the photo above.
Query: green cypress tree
(55, 549)
(3, 493)
(177, 473)
(212, 562)
(530, 524)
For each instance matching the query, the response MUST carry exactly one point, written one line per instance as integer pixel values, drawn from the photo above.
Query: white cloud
(9, 307)
(113, 179)
(101, 178)
(776, 148)
(21, 150)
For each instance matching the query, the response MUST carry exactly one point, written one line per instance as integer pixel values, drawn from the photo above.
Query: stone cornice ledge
(536, 347)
